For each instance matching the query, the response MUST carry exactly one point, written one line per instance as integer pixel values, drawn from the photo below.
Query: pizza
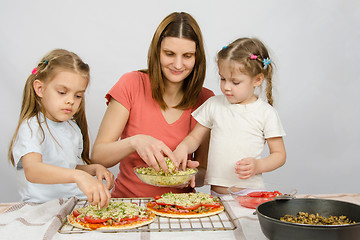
(186, 205)
(117, 215)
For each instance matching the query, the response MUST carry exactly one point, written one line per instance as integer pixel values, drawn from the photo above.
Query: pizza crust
(212, 212)
(90, 226)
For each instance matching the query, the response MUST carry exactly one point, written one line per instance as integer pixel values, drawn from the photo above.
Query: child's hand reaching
(95, 190)
(181, 156)
(246, 168)
(102, 173)
(192, 164)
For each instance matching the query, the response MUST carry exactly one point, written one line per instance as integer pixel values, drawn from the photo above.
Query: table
(41, 221)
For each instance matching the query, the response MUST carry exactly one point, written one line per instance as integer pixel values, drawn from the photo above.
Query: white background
(314, 44)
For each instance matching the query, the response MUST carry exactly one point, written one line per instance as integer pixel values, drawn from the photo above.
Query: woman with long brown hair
(149, 111)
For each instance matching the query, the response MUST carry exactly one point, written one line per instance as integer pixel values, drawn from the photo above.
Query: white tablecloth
(42, 221)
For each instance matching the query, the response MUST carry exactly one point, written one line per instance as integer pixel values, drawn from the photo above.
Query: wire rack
(219, 222)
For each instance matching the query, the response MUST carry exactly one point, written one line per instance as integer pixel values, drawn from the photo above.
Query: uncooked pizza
(186, 205)
(117, 215)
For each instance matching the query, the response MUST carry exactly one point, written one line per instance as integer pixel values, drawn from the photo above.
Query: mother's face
(177, 58)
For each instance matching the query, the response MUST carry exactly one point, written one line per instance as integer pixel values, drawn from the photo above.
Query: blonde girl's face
(61, 96)
(237, 86)
(177, 58)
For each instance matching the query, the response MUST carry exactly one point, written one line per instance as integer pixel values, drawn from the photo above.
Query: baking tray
(219, 222)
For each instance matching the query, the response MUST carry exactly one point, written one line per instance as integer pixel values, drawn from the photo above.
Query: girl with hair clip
(150, 110)
(51, 142)
(240, 121)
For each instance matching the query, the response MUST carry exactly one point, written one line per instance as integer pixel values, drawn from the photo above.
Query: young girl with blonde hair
(240, 121)
(51, 140)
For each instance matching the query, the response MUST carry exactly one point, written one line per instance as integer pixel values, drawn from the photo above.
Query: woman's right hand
(95, 190)
(153, 151)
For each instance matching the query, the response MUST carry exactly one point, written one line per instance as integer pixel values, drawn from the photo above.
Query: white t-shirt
(237, 131)
(64, 152)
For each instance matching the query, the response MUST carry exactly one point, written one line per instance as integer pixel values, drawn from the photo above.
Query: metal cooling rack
(219, 222)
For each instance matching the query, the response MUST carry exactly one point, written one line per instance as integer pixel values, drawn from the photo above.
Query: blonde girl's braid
(267, 67)
(268, 90)
(252, 54)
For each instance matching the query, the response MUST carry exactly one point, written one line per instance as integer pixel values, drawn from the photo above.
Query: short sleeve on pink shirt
(125, 89)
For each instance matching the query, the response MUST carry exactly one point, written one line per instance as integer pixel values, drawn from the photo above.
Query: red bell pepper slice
(255, 194)
(130, 219)
(211, 205)
(164, 204)
(93, 220)
(76, 213)
(192, 207)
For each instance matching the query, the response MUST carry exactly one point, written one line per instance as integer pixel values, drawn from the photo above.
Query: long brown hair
(51, 64)
(180, 25)
(241, 50)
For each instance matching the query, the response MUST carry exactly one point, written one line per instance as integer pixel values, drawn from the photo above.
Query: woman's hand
(152, 151)
(246, 168)
(95, 190)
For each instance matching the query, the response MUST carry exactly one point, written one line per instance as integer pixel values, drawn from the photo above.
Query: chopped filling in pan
(316, 219)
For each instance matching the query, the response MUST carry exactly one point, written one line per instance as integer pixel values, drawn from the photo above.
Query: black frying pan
(269, 214)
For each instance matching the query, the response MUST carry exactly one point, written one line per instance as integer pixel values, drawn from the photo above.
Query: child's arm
(201, 155)
(190, 143)
(248, 167)
(100, 172)
(38, 172)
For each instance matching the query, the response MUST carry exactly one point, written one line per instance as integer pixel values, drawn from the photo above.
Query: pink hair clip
(34, 71)
(253, 57)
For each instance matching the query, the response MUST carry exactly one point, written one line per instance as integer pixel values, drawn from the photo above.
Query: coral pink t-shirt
(133, 91)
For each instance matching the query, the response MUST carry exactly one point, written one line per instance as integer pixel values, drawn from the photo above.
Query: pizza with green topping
(186, 205)
(117, 215)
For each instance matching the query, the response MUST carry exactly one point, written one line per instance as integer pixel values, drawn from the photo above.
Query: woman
(150, 110)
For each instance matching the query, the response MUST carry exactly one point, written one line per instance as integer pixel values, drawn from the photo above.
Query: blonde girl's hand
(153, 152)
(246, 168)
(102, 173)
(181, 156)
(96, 191)
(190, 164)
